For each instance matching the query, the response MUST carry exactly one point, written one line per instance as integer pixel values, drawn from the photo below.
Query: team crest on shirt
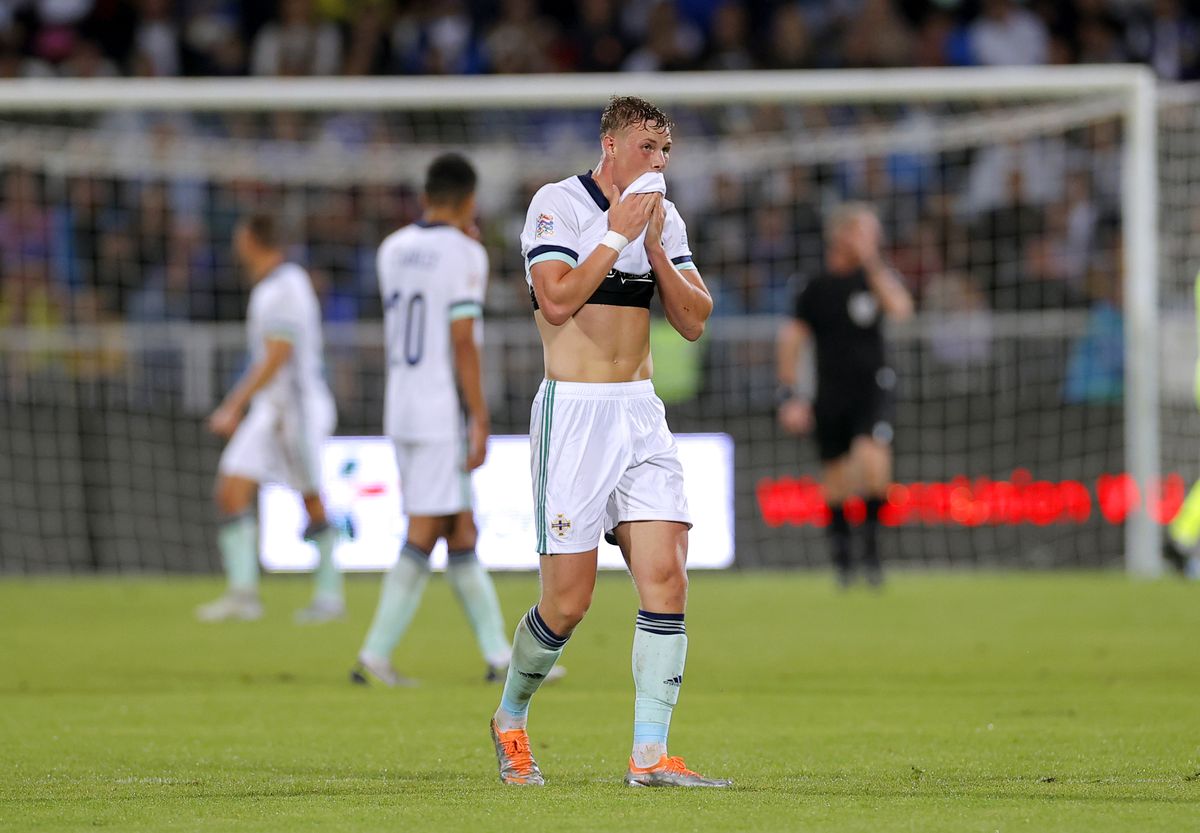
(545, 226)
(862, 308)
(561, 525)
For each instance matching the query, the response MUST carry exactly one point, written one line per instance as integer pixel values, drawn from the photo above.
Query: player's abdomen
(599, 344)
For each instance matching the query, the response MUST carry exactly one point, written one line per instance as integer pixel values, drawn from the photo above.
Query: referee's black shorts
(849, 410)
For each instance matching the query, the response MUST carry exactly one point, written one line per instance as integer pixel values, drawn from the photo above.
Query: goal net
(1015, 204)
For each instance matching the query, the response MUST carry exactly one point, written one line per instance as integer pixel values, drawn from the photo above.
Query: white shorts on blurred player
(276, 445)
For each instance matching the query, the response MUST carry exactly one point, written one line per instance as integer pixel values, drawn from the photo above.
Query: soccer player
(842, 310)
(433, 276)
(604, 462)
(279, 439)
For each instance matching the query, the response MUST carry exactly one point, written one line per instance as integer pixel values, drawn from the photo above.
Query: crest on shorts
(545, 226)
(561, 525)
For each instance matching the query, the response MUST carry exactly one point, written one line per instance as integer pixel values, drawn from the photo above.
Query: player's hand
(796, 416)
(225, 420)
(629, 216)
(654, 229)
(477, 437)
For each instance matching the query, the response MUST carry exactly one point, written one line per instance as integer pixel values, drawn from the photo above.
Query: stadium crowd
(83, 38)
(1016, 226)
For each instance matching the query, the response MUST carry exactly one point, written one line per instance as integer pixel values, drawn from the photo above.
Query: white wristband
(615, 241)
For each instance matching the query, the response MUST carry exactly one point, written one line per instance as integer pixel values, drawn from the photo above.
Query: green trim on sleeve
(545, 256)
(466, 309)
(277, 333)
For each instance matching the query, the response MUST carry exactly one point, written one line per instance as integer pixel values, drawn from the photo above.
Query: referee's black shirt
(845, 318)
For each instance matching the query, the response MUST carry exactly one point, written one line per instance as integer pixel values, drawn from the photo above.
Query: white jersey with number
(284, 306)
(429, 276)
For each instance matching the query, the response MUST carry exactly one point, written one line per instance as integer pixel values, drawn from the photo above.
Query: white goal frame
(1134, 86)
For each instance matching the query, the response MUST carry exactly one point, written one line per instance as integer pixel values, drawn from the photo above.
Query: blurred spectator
(1096, 366)
(773, 259)
(877, 37)
(179, 286)
(1000, 238)
(961, 331)
(671, 43)
(788, 42)
(438, 41)
(212, 44)
(521, 40)
(1167, 39)
(1100, 40)
(596, 41)
(157, 39)
(730, 39)
(25, 228)
(1005, 34)
(87, 61)
(297, 44)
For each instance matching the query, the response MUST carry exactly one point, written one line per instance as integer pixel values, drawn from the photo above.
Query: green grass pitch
(1066, 702)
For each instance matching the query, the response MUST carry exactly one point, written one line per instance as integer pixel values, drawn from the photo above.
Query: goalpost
(1034, 102)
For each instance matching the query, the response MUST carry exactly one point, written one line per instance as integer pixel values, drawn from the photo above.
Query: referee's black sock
(839, 539)
(871, 537)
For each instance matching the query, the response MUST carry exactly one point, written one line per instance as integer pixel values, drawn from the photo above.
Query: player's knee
(316, 510)
(669, 588)
(462, 535)
(564, 611)
(230, 499)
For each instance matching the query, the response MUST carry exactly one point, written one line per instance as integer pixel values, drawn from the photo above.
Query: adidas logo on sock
(533, 675)
(675, 681)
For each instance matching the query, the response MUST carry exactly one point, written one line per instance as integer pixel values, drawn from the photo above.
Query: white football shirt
(429, 276)
(567, 220)
(284, 306)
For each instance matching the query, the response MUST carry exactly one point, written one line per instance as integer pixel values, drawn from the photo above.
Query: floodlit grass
(947, 703)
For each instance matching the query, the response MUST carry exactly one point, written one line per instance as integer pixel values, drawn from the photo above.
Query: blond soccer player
(596, 247)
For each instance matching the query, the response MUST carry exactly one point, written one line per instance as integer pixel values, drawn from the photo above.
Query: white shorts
(432, 478)
(274, 445)
(601, 455)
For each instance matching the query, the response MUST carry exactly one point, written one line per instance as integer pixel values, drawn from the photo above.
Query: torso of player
(608, 338)
(429, 276)
(846, 321)
(283, 305)
(600, 343)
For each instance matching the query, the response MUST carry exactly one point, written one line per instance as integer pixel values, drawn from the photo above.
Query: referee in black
(842, 309)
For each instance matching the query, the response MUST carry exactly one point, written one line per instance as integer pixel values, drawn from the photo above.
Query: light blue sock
(238, 540)
(535, 650)
(659, 654)
(477, 594)
(327, 578)
(398, 602)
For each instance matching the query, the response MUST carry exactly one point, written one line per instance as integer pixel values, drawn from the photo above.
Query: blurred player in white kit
(277, 418)
(433, 278)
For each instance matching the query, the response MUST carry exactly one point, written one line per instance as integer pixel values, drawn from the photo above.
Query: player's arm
(893, 295)
(468, 367)
(791, 345)
(685, 299)
(224, 420)
(894, 298)
(562, 289)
